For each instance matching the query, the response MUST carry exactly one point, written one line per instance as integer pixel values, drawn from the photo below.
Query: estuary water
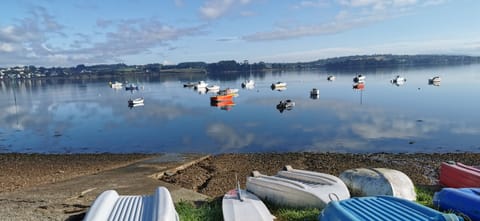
(88, 116)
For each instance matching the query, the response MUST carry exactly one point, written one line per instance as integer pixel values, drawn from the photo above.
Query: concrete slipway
(70, 199)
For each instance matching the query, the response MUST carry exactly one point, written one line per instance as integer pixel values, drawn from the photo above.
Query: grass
(212, 210)
(208, 211)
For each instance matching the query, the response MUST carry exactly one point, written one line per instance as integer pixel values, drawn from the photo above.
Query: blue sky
(70, 32)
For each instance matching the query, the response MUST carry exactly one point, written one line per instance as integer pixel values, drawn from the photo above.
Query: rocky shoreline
(216, 175)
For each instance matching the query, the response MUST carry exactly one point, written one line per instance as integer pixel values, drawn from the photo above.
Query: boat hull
(463, 200)
(219, 98)
(382, 208)
(458, 175)
(298, 188)
(110, 206)
(250, 208)
(378, 181)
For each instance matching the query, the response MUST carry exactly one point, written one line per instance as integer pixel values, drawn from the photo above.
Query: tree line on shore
(231, 66)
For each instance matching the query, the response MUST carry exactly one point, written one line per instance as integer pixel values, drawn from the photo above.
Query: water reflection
(88, 116)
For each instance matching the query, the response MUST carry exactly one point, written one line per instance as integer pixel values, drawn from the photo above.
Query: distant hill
(382, 61)
(223, 68)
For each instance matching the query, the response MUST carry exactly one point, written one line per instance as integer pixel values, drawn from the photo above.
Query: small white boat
(189, 84)
(115, 84)
(136, 101)
(298, 188)
(314, 92)
(359, 78)
(248, 84)
(111, 206)
(435, 79)
(233, 91)
(214, 88)
(379, 181)
(279, 84)
(331, 78)
(398, 80)
(238, 205)
(201, 84)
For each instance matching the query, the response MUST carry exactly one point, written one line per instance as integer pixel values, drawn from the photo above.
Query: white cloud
(228, 138)
(352, 14)
(5, 47)
(214, 9)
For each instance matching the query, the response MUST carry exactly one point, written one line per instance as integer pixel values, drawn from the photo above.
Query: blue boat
(382, 208)
(465, 201)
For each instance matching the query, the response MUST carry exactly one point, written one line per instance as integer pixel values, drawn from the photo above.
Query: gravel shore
(26, 170)
(216, 175)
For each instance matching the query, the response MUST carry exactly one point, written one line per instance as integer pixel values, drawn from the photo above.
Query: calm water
(89, 116)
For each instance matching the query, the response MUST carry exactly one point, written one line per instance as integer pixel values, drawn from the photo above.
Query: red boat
(221, 97)
(458, 175)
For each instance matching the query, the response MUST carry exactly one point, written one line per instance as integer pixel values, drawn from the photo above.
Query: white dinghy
(238, 204)
(379, 181)
(110, 206)
(298, 188)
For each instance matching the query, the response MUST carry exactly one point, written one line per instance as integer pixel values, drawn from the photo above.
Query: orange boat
(458, 175)
(219, 98)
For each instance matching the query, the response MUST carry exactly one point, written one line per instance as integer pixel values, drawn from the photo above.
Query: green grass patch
(295, 214)
(208, 211)
(212, 210)
(425, 195)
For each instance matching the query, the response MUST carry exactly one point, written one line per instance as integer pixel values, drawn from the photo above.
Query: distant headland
(357, 62)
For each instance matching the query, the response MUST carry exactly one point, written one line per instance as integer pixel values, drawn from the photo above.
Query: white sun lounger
(109, 206)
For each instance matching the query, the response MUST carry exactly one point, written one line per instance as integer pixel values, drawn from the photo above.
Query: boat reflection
(285, 105)
(132, 105)
(359, 86)
(223, 105)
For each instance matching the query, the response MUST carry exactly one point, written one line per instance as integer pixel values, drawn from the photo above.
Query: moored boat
(189, 84)
(378, 181)
(214, 88)
(131, 87)
(278, 84)
(248, 84)
(111, 206)
(201, 84)
(238, 204)
(465, 201)
(435, 79)
(115, 84)
(458, 175)
(221, 97)
(398, 80)
(382, 208)
(359, 78)
(298, 188)
(331, 78)
(314, 92)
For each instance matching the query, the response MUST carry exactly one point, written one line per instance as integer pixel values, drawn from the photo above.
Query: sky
(65, 33)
